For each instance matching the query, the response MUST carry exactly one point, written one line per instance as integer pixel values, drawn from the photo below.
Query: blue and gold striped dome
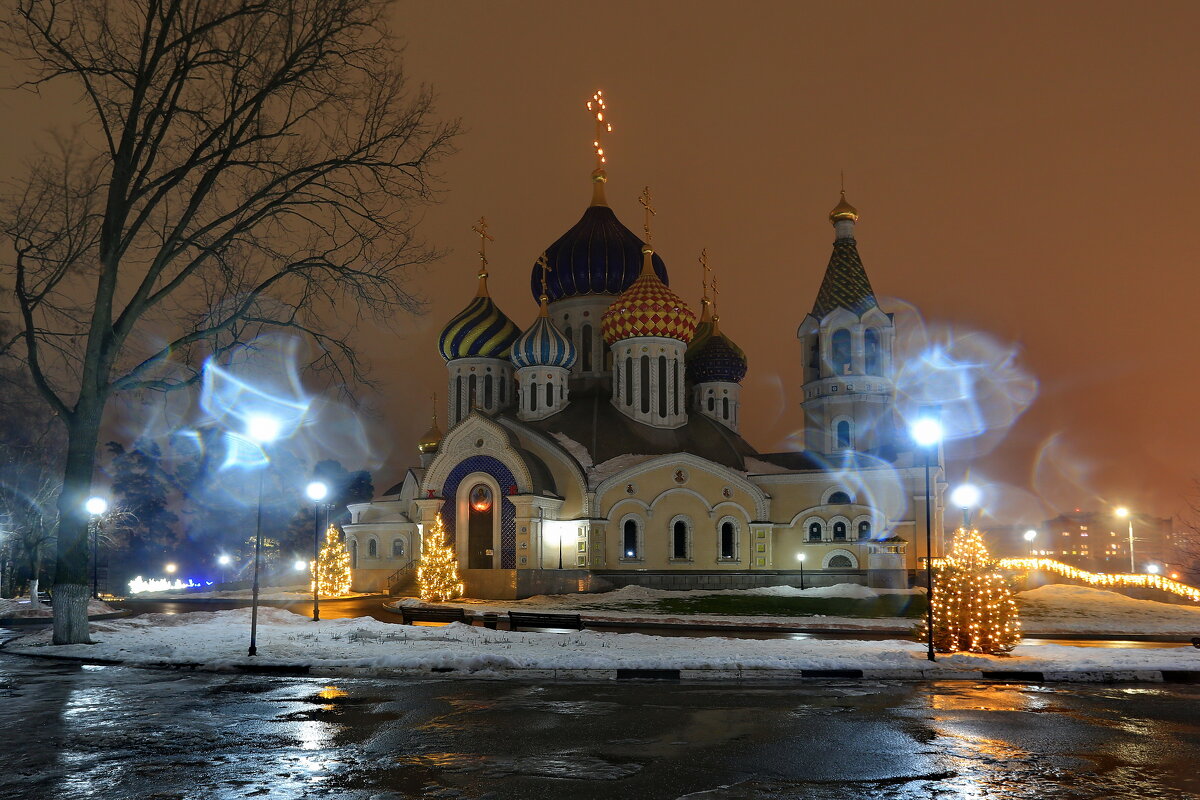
(543, 345)
(481, 330)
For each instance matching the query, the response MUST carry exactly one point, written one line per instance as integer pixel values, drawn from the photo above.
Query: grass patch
(888, 605)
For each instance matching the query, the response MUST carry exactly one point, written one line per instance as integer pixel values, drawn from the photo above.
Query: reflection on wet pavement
(112, 732)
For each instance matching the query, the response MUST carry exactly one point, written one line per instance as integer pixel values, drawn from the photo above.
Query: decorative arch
(806, 527)
(553, 449)
(837, 555)
(735, 551)
(639, 538)
(689, 530)
(872, 527)
(503, 481)
(740, 508)
(761, 500)
(680, 490)
(372, 546)
(827, 496)
(474, 437)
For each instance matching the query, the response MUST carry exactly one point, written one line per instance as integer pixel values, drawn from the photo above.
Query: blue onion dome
(543, 345)
(716, 359)
(598, 255)
(481, 330)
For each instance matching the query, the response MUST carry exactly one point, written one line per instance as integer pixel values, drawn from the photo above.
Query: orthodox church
(600, 445)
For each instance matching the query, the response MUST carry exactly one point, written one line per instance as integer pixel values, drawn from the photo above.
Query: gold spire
(705, 302)
(484, 237)
(432, 439)
(599, 109)
(716, 316)
(544, 300)
(647, 249)
(843, 210)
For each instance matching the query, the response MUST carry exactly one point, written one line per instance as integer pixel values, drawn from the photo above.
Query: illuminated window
(397, 548)
(629, 539)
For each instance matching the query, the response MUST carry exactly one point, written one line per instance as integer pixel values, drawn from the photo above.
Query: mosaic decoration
(508, 513)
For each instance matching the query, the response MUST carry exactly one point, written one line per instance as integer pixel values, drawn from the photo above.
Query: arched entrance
(481, 524)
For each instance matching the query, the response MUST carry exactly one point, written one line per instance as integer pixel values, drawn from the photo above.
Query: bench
(532, 620)
(409, 615)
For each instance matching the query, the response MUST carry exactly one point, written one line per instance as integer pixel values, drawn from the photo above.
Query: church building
(600, 445)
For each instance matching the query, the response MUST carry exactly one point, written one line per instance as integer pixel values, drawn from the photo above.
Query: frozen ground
(270, 594)
(21, 608)
(219, 639)
(1056, 608)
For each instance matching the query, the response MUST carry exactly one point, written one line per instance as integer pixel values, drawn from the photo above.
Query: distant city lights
(139, 585)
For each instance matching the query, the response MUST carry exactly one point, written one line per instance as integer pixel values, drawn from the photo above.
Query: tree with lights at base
(437, 576)
(973, 609)
(333, 565)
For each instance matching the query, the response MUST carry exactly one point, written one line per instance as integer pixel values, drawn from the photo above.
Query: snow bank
(272, 594)
(219, 639)
(17, 609)
(577, 451)
(1067, 608)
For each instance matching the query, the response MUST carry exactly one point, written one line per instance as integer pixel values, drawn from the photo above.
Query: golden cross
(704, 263)
(484, 237)
(598, 108)
(433, 401)
(644, 199)
(544, 263)
(714, 297)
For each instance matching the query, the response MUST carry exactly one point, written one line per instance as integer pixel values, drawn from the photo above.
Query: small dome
(598, 255)
(432, 440)
(481, 330)
(843, 210)
(716, 359)
(543, 345)
(648, 308)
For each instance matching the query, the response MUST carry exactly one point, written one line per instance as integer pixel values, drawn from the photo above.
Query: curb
(682, 675)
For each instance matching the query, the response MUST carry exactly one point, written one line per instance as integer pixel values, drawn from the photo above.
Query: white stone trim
(462, 531)
(762, 500)
(737, 539)
(840, 552)
(689, 546)
(641, 540)
(459, 445)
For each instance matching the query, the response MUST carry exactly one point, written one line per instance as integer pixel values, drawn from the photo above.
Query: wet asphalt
(114, 732)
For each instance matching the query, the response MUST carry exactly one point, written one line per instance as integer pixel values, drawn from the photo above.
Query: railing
(399, 574)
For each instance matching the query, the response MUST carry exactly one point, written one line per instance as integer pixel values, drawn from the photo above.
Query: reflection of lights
(96, 506)
(1175, 575)
(965, 496)
(317, 491)
(224, 561)
(140, 584)
(927, 431)
(331, 693)
(170, 568)
(629, 554)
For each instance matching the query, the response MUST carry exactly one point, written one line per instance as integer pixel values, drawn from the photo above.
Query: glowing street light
(1124, 512)
(965, 497)
(317, 491)
(800, 558)
(928, 433)
(1030, 535)
(300, 565)
(96, 507)
(170, 568)
(1152, 569)
(224, 560)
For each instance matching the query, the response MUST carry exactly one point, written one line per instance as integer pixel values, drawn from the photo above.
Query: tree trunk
(71, 565)
(33, 594)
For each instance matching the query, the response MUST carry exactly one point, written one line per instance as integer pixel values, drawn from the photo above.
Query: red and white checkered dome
(648, 308)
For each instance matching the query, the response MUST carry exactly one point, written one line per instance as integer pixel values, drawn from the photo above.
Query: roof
(845, 284)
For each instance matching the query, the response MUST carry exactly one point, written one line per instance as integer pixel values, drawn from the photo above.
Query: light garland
(332, 575)
(437, 574)
(1102, 578)
(973, 608)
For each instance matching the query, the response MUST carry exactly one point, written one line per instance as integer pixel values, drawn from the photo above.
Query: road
(114, 732)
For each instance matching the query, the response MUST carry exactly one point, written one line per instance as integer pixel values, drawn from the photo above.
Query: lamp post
(965, 497)
(800, 558)
(95, 506)
(223, 560)
(263, 429)
(316, 491)
(560, 542)
(1123, 512)
(927, 432)
(1030, 535)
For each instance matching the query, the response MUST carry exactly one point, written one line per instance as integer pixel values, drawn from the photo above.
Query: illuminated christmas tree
(333, 565)
(973, 609)
(437, 575)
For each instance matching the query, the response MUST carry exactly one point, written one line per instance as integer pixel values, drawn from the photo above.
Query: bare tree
(1185, 539)
(245, 167)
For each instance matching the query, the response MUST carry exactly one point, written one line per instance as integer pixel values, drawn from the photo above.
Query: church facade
(600, 446)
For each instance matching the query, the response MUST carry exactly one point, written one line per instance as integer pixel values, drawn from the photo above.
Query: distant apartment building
(1099, 541)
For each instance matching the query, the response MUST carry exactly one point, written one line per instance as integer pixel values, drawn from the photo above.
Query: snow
(271, 594)
(16, 609)
(219, 639)
(577, 451)
(756, 466)
(606, 469)
(1067, 608)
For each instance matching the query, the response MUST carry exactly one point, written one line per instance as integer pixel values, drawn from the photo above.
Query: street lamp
(800, 558)
(263, 429)
(927, 432)
(1123, 512)
(96, 507)
(300, 565)
(224, 560)
(170, 568)
(316, 491)
(965, 497)
(1030, 535)
(561, 535)
(1152, 569)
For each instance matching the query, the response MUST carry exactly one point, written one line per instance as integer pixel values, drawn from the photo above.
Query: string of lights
(973, 608)
(437, 575)
(332, 574)
(1147, 581)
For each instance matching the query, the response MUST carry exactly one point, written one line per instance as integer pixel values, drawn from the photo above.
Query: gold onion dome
(431, 440)
(843, 210)
(648, 308)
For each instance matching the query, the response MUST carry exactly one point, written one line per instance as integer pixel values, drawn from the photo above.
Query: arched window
(840, 355)
(871, 345)
(372, 548)
(533, 396)
(845, 440)
(487, 391)
(728, 540)
(839, 499)
(353, 554)
(712, 402)
(675, 377)
(840, 562)
(472, 393)
(397, 548)
(586, 349)
(645, 384)
(814, 532)
(628, 378)
(458, 398)
(549, 395)
(725, 407)
(864, 530)
(662, 386)
(503, 396)
(679, 539)
(629, 539)
(839, 531)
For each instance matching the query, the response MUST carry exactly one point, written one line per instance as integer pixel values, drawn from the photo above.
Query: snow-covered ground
(1056, 608)
(270, 594)
(219, 639)
(21, 608)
